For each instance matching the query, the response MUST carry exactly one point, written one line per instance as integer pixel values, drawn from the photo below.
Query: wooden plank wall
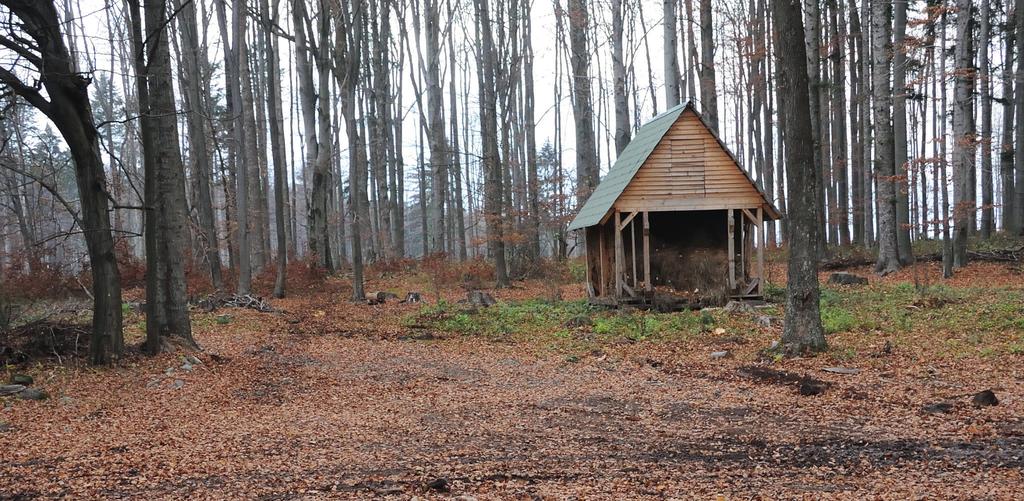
(688, 170)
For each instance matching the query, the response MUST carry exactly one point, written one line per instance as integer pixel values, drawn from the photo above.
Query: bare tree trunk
(166, 217)
(839, 131)
(489, 138)
(899, 122)
(270, 18)
(197, 139)
(803, 330)
(1018, 98)
(347, 60)
(532, 182)
(587, 171)
(622, 130)
(708, 91)
(885, 169)
(435, 130)
(963, 131)
(984, 65)
(857, 159)
(867, 78)
(1006, 147)
(67, 105)
(669, 43)
(245, 152)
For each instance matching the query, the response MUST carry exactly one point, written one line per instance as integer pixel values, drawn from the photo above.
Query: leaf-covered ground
(535, 398)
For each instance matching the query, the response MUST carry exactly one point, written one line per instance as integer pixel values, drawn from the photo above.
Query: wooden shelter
(676, 212)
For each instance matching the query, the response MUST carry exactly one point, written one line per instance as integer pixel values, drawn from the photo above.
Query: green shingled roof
(635, 154)
(625, 168)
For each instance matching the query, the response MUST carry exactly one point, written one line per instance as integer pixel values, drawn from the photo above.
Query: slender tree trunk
(276, 143)
(1018, 98)
(899, 122)
(197, 139)
(987, 188)
(1006, 146)
(489, 137)
(530, 126)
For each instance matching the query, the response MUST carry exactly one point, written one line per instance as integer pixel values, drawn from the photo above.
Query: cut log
(843, 278)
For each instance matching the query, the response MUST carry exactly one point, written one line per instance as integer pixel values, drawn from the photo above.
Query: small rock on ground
(938, 408)
(439, 485)
(33, 394)
(10, 389)
(720, 354)
(23, 379)
(810, 387)
(739, 307)
(985, 399)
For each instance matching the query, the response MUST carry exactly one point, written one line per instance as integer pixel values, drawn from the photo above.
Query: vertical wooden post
(588, 237)
(632, 249)
(602, 289)
(732, 250)
(761, 240)
(648, 283)
(619, 257)
(742, 272)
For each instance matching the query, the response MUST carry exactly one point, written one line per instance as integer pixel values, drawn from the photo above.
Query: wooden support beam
(602, 289)
(620, 258)
(731, 225)
(750, 215)
(632, 249)
(760, 250)
(629, 219)
(648, 283)
(588, 244)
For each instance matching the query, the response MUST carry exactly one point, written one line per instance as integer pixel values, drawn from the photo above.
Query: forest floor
(535, 398)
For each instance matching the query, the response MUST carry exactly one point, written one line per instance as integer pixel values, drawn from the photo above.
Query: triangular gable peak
(675, 163)
(690, 169)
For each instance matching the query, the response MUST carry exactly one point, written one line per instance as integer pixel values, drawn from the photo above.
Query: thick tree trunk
(69, 109)
(803, 330)
(166, 215)
(963, 131)
(669, 44)
(587, 170)
(708, 90)
(319, 206)
(435, 130)
(622, 123)
(885, 168)
(246, 152)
